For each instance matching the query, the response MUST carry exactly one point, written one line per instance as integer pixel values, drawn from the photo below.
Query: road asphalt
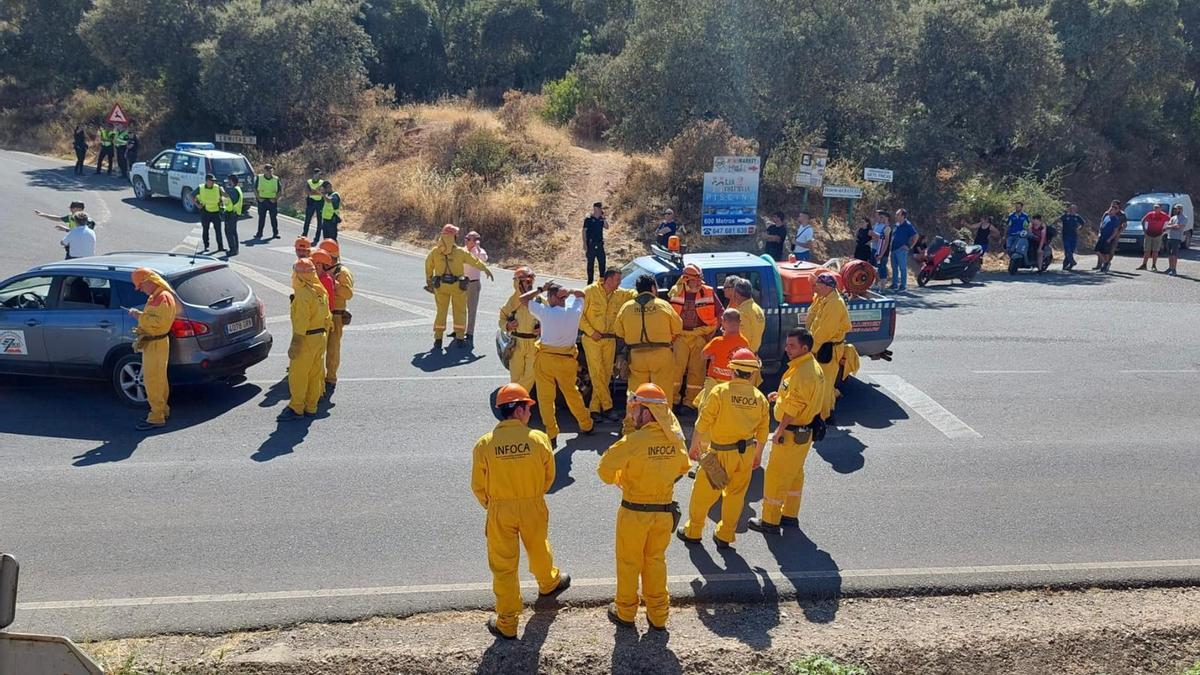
(1030, 430)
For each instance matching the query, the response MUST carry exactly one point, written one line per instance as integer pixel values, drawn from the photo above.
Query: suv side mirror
(8, 589)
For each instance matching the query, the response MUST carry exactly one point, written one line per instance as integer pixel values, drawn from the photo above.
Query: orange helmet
(303, 244)
(331, 247)
(744, 359)
(322, 257)
(648, 393)
(524, 272)
(513, 393)
(450, 229)
(692, 270)
(140, 276)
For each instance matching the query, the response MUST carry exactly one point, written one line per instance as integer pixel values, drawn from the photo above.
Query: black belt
(651, 345)
(472, 281)
(672, 508)
(608, 336)
(315, 331)
(740, 446)
(449, 279)
(801, 433)
(527, 336)
(151, 338)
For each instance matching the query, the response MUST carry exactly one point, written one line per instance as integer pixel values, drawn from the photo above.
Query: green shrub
(978, 195)
(484, 153)
(562, 96)
(816, 664)
(1194, 670)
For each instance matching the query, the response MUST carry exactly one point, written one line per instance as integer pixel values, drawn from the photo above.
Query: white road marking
(1158, 372)
(1010, 372)
(776, 577)
(383, 325)
(349, 261)
(920, 402)
(395, 303)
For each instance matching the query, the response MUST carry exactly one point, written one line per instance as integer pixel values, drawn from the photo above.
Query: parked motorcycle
(955, 260)
(1023, 254)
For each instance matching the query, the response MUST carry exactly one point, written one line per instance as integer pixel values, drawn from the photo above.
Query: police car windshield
(224, 166)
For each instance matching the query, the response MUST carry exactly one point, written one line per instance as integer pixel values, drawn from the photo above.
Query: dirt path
(1064, 632)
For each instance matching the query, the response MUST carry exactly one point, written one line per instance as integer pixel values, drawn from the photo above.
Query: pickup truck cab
(873, 316)
(179, 172)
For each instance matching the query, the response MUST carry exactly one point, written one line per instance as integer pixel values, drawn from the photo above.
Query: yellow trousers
(521, 365)
(739, 467)
(651, 365)
(642, 540)
(783, 482)
(154, 378)
(333, 350)
(552, 373)
(507, 521)
(306, 375)
(689, 367)
(600, 355)
(831, 371)
(445, 296)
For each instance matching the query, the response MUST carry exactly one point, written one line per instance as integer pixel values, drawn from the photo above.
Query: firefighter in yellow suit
(153, 340)
(343, 290)
(511, 470)
(645, 464)
(522, 327)
(734, 422)
(448, 282)
(828, 320)
(648, 326)
(700, 311)
(797, 403)
(311, 321)
(601, 302)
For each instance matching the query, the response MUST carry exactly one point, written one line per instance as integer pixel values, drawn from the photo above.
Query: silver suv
(71, 319)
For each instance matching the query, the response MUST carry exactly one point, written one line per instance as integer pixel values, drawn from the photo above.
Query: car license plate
(1127, 240)
(239, 326)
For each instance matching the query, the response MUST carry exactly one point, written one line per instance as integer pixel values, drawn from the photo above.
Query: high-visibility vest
(106, 138)
(268, 188)
(328, 211)
(120, 138)
(315, 185)
(209, 198)
(234, 202)
(706, 306)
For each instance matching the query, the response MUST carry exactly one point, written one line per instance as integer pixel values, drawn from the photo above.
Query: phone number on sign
(719, 230)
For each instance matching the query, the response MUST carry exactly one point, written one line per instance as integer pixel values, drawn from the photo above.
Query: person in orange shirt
(324, 263)
(717, 353)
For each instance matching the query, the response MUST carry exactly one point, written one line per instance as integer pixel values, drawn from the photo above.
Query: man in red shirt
(1153, 225)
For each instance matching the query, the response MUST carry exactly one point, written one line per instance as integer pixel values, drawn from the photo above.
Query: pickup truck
(872, 316)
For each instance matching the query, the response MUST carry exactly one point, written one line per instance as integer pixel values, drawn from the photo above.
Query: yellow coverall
(645, 465)
(520, 366)
(599, 316)
(801, 395)
(687, 351)
(311, 320)
(156, 320)
(512, 468)
(733, 411)
(643, 320)
(343, 290)
(828, 320)
(754, 322)
(446, 260)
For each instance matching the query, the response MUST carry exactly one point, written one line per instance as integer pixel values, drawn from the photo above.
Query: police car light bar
(195, 146)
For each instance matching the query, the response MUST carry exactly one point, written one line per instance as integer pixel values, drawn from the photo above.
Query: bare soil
(1064, 632)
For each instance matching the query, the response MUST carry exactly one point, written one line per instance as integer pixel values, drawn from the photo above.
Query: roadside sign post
(878, 176)
(117, 115)
(730, 203)
(236, 137)
(832, 192)
(812, 171)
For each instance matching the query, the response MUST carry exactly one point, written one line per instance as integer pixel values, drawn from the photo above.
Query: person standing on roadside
(775, 237)
(120, 140)
(80, 145)
(209, 198)
(668, 228)
(106, 150)
(266, 188)
(312, 205)
(343, 290)
(903, 236)
(882, 244)
(1110, 228)
(131, 148)
(1175, 229)
(153, 342)
(802, 242)
(862, 241)
(984, 232)
(556, 364)
(231, 208)
(1154, 224)
(331, 213)
(601, 302)
(1070, 222)
(473, 285)
(593, 241)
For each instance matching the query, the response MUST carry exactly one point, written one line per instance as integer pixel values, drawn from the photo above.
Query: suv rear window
(211, 286)
(223, 166)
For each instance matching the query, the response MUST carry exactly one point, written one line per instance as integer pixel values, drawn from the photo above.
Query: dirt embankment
(1064, 632)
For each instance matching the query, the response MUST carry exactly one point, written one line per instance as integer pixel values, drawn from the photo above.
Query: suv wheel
(140, 190)
(127, 381)
(188, 204)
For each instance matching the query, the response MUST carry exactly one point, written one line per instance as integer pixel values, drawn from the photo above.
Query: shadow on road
(842, 451)
(520, 656)
(452, 357)
(290, 433)
(865, 404)
(606, 434)
(64, 178)
(162, 207)
(643, 653)
(753, 586)
(813, 572)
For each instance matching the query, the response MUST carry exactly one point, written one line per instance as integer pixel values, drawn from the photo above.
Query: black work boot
(437, 345)
(758, 525)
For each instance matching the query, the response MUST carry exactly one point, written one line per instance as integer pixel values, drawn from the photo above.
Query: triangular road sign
(117, 116)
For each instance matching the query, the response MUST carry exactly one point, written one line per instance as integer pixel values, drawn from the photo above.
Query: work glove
(713, 470)
(294, 347)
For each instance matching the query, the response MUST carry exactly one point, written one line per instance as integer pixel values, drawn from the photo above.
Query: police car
(179, 172)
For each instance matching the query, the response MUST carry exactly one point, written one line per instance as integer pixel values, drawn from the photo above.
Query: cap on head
(268, 166)
(598, 205)
(304, 266)
(827, 279)
(449, 229)
(141, 275)
(322, 257)
(303, 244)
(209, 176)
(692, 270)
(648, 393)
(513, 393)
(330, 246)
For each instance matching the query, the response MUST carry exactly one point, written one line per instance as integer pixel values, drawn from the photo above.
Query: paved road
(1030, 430)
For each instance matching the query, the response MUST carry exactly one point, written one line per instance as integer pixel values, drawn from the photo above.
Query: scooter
(1023, 254)
(955, 260)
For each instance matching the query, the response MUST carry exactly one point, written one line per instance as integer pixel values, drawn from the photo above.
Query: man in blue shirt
(1110, 228)
(1017, 222)
(1070, 221)
(903, 236)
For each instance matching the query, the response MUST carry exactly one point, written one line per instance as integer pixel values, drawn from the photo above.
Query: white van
(1139, 206)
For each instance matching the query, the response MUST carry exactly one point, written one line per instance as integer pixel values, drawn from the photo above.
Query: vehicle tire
(1012, 266)
(922, 278)
(127, 381)
(140, 190)
(188, 204)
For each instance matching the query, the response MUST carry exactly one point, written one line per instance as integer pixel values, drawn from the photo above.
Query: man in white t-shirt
(802, 243)
(472, 274)
(80, 241)
(556, 363)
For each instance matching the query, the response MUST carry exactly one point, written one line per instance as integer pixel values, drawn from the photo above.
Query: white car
(1137, 208)
(178, 173)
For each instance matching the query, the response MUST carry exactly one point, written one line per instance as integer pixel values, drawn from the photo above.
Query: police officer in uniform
(232, 211)
(266, 188)
(120, 140)
(312, 205)
(106, 150)
(331, 209)
(208, 200)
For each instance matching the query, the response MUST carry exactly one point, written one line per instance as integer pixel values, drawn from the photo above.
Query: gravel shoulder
(1153, 630)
